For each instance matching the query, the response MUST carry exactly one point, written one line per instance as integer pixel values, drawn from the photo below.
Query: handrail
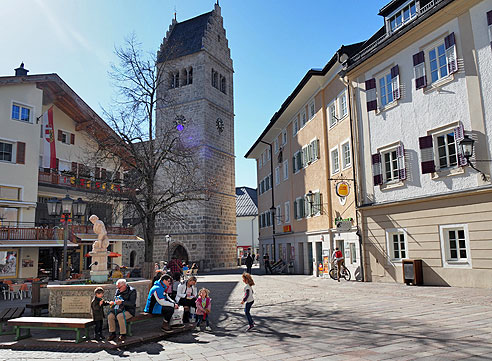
(40, 233)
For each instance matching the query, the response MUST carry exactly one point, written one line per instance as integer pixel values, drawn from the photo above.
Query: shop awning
(90, 238)
(34, 243)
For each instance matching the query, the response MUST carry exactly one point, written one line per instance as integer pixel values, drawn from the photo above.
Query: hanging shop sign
(342, 189)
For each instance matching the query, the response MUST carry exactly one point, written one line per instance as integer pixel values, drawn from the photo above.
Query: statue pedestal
(99, 272)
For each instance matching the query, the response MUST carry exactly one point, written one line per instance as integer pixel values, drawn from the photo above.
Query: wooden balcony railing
(86, 183)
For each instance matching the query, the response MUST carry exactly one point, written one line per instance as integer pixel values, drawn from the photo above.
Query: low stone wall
(75, 300)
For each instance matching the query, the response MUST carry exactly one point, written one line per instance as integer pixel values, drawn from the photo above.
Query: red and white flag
(49, 150)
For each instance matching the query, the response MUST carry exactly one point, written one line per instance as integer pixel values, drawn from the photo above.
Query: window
(295, 126)
(215, 79)
(297, 161)
(442, 62)
(268, 219)
(332, 114)
(278, 215)
(303, 118)
(190, 76)
(262, 220)
(263, 158)
(223, 84)
(275, 145)
(277, 176)
(6, 152)
(9, 216)
(311, 109)
(259, 162)
(397, 245)
(335, 162)
(438, 63)
(385, 90)
(269, 154)
(446, 150)
(389, 165)
(489, 22)
(284, 136)
(287, 212)
(402, 16)
(20, 112)
(299, 208)
(66, 137)
(286, 169)
(346, 156)
(313, 208)
(455, 245)
(343, 105)
(10, 193)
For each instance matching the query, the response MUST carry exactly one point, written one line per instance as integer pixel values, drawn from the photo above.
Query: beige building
(27, 233)
(303, 156)
(421, 86)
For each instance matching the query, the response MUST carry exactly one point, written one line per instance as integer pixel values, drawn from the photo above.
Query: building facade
(198, 94)
(247, 221)
(28, 180)
(304, 159)
(421, 85)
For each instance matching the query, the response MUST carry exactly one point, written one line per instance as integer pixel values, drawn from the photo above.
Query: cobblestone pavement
(304, 318)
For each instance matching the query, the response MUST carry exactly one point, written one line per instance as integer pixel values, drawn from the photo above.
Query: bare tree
(158, 159)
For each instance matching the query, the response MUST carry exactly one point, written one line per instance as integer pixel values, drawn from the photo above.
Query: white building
(247, 221)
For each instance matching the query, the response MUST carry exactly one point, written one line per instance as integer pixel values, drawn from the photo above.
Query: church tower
(196, 59)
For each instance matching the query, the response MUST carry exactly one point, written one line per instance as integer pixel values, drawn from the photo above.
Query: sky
(273, 44)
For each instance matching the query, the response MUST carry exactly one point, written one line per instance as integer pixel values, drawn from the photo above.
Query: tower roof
(185, 38)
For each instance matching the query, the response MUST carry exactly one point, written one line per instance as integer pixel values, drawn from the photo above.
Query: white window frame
(384, 76)
(287, 212)
(284, 137)
(390, 250)
(349, 164)
(14, 150)
(303, 117)
(286, 169)
(311, 109)
(295, 126)
(435, 47)
(342, 110)
(447, 261)
(299, 209)
(259, 162)
(275, 145)
(490, 32)
(332, 118)
(383, 152)
(332, 169)
(277, 175)
(400, 11)
(21, 106)
(278, 214)
(269, 154)
(435, 149)
(67, 135)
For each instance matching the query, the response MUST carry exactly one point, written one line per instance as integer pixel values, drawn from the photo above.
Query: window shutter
(376, 169)
(299, 160)
(74, 168)
(489, 22)
(72, 138)
(293, 164)
(395, 80)
(316, 146)
(459, 135)
(295, 209)
(302, 208)
(320, 210)
(60, 135)
(317, 207)
(57, 164)
(419, 69)
(21, 153)
(402, 170)
(450, 45)
(372, 102)
(427, 154)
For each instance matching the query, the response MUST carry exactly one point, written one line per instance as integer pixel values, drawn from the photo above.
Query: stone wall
(74, 300)
(130, 246)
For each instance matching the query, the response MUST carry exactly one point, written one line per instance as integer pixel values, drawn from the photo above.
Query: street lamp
(310, 199)
(466, 145)
(168, 239)
(66, 207)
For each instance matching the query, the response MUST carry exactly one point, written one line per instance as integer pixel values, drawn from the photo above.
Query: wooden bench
(9, 314)
(55, 323)
(37, 308)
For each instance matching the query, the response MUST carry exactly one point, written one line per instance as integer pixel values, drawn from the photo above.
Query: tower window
(185, 77)
(215, 79)
(190, 75)
(223, 84)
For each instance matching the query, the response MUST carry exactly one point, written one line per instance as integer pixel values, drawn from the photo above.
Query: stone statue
(102, 242)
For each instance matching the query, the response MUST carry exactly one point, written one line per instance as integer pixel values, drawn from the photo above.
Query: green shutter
(317, 205)
(295, 209)
(293, 164)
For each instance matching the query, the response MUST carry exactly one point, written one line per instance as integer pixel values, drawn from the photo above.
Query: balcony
(81, 183)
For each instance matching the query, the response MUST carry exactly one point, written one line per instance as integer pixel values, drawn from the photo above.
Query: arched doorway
(133, 255)
(180, 253)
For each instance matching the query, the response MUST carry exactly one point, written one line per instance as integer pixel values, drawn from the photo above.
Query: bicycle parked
(344, 272)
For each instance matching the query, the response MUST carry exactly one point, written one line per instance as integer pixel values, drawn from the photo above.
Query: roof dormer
(398, 13)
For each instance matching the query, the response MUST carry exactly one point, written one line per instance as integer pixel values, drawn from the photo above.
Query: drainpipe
(272, 209)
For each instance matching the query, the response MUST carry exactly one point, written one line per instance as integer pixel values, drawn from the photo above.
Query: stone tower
(196, 59)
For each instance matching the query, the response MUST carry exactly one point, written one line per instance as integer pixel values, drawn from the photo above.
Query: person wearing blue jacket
(159, 303)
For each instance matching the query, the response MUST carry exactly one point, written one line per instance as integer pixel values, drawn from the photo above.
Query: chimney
(20, 71)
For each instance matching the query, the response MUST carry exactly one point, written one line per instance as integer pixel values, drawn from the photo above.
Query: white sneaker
(208, 328)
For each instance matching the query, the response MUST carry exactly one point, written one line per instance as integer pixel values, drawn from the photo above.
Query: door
(300, 255)
(310, 258)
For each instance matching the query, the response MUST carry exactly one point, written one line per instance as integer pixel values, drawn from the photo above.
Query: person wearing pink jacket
(203, 307)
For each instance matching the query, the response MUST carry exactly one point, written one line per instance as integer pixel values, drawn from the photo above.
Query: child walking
(248, 298)
(97, 305)
(203, 307)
